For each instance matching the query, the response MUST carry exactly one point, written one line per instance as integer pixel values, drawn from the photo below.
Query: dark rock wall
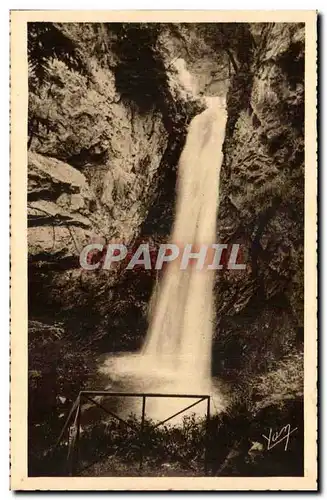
(104, 122)
(108, 117)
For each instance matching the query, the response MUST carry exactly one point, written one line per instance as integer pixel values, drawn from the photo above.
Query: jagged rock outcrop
(260, 310)
(109, 107)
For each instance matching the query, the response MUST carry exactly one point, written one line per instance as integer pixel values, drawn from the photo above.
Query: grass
(111, 447)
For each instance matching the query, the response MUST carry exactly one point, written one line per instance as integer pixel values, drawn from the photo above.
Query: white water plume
(176, 356)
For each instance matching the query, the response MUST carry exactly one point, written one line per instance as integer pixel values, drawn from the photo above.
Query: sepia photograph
(164, 316)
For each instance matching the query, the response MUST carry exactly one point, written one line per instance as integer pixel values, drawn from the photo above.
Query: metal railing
(87, 396)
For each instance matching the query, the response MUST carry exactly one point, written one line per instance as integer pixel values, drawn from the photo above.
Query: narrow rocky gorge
(109, 110)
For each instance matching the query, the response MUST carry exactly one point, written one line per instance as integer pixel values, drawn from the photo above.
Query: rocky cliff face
(108, 115)
(101, 125)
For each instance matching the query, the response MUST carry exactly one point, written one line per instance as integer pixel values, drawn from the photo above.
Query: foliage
(282, 384)
(65, 114)
(57, 367)
(46, 41)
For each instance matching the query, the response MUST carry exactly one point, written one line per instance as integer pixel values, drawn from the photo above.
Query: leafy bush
(282, 384)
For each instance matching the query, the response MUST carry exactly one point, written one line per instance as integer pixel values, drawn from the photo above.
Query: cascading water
(176, 356)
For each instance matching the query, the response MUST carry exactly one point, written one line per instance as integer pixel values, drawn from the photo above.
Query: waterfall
(180, 333)
(176, 356)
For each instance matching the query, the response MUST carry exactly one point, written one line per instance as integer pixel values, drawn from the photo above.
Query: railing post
(73, 408)
(78, 432)
(74, 442)
(71, 448)
(207, 440)
(142, 432)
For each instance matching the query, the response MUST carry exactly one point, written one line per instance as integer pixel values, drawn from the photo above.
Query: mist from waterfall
(176, 356)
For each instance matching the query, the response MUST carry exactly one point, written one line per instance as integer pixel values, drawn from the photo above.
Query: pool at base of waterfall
(139, 373)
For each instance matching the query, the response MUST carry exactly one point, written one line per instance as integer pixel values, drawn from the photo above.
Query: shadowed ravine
(114, 157)
(176, 355)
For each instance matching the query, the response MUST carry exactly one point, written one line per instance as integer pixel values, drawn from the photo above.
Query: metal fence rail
(86, 396)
